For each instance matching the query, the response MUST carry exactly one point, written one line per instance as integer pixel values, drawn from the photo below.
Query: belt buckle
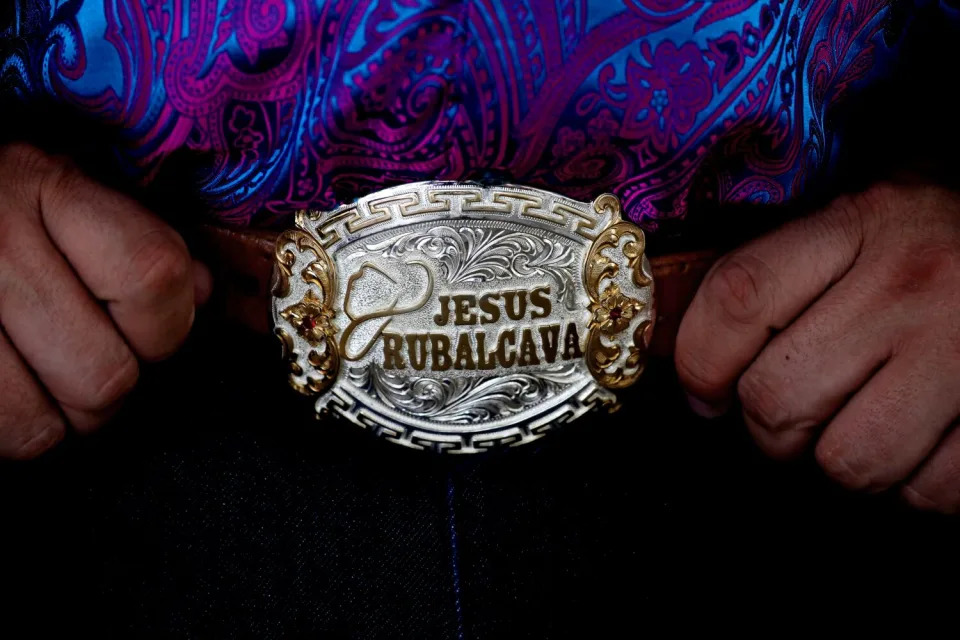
(459, 317)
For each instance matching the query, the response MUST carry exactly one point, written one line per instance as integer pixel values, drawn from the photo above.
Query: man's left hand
(843, 328)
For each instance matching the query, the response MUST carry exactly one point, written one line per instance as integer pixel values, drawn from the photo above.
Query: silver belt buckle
(458, 317)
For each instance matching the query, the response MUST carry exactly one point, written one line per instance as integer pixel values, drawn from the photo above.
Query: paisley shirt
(287, 104)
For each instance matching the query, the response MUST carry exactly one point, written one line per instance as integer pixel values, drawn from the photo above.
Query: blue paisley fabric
(289, 104)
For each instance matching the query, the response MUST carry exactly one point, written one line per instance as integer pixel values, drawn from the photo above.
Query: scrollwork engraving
(612, 312)
(311, 317)
(462, 400)
(479, 254)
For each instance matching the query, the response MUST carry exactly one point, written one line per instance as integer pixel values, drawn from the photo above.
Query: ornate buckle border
(401, 312)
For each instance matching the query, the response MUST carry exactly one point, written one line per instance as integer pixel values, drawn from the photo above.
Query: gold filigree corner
(612, 311)
(608, 202)
(287, 351)
(312, 319)
(320, 269)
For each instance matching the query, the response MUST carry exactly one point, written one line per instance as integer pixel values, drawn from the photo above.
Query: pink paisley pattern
(297, 103)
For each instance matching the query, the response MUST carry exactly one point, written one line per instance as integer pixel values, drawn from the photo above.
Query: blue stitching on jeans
(454, 557)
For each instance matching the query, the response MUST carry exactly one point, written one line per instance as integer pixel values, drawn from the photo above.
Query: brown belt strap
(242, 263)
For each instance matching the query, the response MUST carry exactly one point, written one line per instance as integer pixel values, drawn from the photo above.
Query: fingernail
(705, 409)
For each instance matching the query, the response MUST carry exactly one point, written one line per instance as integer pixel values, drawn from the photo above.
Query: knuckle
(896, 210)
(762, 399)
(844, 208)
(60, 181)
(37, 442)
(918, 499)
(841, 221)
(878, 200)
(21, 169)
(160, 266)
(841, 468)
(36, 432)
(922, 268)
(20, 157)
(779, 446)
(741, 287)
(29, 425)
(697, 372)
(166, 346)
(110, 384)
(26, 168)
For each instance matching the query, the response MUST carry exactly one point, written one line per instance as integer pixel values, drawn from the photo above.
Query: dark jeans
(216, 506)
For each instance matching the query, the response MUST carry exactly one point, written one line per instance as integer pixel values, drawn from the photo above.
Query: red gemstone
(615, 313)
(309, 322)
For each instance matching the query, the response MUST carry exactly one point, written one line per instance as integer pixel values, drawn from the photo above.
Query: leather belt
(243, 261)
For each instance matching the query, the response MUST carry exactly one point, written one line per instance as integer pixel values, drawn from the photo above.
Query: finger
(755, 290)
(59, 330)
(29, 423)
(807, 372)
(126, 256)
(936, 486)
(892, 424)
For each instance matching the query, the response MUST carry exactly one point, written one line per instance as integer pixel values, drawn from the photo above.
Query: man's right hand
(90, 282)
